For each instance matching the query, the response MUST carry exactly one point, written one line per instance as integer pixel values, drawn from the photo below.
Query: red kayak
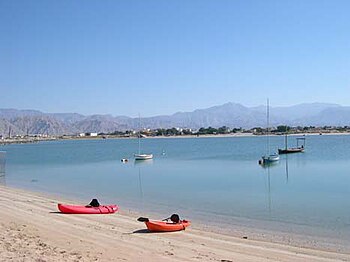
(69, 209)
(161, 226)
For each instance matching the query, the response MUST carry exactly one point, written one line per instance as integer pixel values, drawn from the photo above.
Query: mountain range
(22, 122)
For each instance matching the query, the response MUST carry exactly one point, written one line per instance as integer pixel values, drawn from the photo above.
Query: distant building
(87, 134)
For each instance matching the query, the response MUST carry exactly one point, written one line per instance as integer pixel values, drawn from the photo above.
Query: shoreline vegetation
(182, 133)
(52, 236)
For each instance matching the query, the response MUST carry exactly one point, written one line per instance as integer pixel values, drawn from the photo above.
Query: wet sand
(31, 229)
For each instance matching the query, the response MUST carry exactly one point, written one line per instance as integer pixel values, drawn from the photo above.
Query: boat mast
(268, 129)
(286, 141)
(139, 136)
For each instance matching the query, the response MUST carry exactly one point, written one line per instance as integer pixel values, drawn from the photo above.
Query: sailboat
(140, 156)
(290, 150)
(268, 158)
(143, 156)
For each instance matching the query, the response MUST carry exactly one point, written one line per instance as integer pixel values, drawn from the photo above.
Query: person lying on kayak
(93, 203)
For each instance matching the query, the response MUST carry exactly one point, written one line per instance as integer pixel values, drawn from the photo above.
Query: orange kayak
(161, 226)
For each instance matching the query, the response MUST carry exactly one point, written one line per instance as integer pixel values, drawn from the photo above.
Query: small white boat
(140, 156)
(143, 156)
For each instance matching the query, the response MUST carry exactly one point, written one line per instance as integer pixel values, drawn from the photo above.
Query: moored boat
(143, 156)
(139, 155)
(291, 150)
(298, 149)
(270, 158)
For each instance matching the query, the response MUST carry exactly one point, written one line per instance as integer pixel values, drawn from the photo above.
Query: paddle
(174, 218)
(143, 219)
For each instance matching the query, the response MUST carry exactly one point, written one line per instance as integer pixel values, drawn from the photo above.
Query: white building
(87, 134)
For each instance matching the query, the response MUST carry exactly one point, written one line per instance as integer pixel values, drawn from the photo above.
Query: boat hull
(143, 156)
(270, 159)
(71, 209)
(161, 226)
(290, 150)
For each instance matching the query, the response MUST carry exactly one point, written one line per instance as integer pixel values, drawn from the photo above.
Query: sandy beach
(31, 229)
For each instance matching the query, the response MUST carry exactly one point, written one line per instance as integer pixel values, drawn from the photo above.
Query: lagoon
(214, 180)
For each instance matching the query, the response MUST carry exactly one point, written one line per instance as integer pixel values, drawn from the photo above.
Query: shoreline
(32, 228)
(237, 135)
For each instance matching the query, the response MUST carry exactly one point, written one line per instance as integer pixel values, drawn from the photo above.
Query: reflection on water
(268, 165)
(2, 179)
(267, 168)
(287, 169)
(140, 184)
(140, 164)
(2, 167)
(143, 162)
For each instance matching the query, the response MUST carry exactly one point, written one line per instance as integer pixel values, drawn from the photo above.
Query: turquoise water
(218, 177)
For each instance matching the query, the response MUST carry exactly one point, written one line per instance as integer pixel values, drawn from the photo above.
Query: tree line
(281, 129)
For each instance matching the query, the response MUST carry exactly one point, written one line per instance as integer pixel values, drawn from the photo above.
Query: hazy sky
(159, 57)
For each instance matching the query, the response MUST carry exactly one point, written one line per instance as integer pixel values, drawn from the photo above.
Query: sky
(160, 57)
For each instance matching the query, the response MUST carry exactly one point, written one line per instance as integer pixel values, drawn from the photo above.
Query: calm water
(218, 177)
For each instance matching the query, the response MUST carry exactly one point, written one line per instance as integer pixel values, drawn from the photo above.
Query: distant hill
(23, 122)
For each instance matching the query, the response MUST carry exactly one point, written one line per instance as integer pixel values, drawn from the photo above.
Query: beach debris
(124, 160)
(245, 237)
